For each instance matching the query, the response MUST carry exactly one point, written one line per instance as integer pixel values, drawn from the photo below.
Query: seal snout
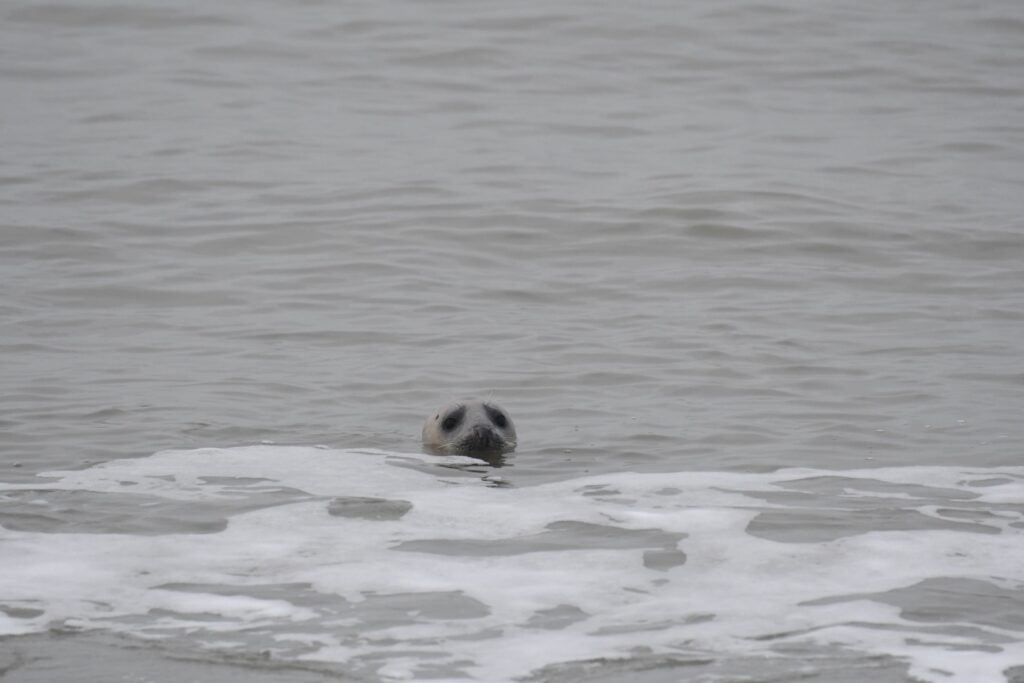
(483, 438)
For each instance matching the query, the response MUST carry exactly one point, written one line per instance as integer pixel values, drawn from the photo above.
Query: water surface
(714, 237)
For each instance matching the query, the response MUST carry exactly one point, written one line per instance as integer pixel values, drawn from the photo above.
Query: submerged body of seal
(472, 427)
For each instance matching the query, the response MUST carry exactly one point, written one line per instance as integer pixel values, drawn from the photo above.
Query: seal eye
(497, 417)
(453, 419)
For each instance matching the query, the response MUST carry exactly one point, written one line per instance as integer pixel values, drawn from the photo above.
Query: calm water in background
(665, 236)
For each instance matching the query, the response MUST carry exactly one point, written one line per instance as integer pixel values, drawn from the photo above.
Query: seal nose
(484, 436)
(483, 432)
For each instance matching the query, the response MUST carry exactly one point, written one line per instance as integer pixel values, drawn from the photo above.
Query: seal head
(479, 429)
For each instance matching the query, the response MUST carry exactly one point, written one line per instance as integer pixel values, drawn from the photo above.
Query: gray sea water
(770, 254)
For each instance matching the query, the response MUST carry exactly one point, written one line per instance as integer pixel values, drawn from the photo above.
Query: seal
(479, 429)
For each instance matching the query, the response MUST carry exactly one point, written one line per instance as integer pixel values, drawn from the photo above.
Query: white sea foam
(499, 582)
